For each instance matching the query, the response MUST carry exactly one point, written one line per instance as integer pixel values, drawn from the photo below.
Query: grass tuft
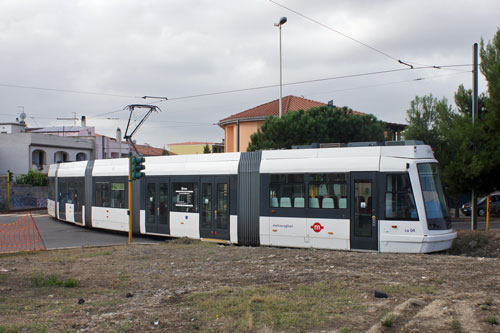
(38, 281)
(388, 320)
(456, 326)
(492, 320)
(271, 309)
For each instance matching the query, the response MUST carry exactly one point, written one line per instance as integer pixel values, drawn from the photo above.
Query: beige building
(189, 148)
(251, 120)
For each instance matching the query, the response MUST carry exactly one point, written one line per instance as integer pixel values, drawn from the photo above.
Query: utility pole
(474, 116)
(238, 135)
(9, 180)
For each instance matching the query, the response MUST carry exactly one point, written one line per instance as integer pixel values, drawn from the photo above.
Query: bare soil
(184, 285)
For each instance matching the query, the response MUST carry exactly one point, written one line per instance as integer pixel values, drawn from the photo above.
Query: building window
(81, 157)
(287, 191)
(61, 157)
(327, 191)
(38, 158)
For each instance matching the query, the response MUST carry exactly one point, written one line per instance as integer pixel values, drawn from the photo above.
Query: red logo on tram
(317, 227)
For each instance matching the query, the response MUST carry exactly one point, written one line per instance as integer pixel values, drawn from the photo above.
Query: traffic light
(10, 176)
(136, 167)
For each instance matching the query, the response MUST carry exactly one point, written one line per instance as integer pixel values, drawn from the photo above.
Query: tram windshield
(436, 208)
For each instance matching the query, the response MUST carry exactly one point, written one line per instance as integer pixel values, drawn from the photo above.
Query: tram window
(102, 194)
(287, 191)
(118, 195)
(327, 191)
(52, 188)
(75, 193)
(399, 199)
(63, 190)
(185, 197)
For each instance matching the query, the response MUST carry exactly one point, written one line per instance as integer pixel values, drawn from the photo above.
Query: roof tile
(290, 103)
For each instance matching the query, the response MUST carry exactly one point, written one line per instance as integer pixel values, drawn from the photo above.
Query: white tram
(384, 197)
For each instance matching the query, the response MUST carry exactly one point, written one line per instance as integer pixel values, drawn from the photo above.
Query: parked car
(481, 205)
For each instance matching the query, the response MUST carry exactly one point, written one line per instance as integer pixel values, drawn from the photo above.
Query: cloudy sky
(67, 58)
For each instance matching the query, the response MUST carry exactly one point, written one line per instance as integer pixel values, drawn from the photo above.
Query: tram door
(61, 199)
(74, 196)
(157, 208)
(364, 220)
(214, 217)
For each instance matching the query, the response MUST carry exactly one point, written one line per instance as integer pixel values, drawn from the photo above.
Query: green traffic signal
(136, 167)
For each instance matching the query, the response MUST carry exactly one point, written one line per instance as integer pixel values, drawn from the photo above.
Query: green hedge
(34, 178)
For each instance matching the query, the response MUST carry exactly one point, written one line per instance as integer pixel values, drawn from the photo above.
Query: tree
(469, 155)
(433, 121)
(487, 141)
(319, 124)
(206, 149)
(427, 116)
(463, 101)
(477, 160)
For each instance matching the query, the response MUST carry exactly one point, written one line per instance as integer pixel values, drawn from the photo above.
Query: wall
(188, 149)
(22, 196)
(107, 147)
(247, 128)
(16, 150)
(14, 153)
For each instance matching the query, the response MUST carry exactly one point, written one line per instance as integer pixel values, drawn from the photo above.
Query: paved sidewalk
(57, 234)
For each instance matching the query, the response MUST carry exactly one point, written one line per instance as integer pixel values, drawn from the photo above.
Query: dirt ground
(186, 285)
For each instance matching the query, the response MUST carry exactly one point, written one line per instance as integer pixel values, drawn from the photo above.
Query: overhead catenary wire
(410, 64)
(163, 99)
(65, 90)
(339, 32)
(390, 83)
(302, 82)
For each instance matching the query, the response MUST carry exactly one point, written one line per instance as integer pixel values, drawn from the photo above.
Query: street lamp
(279, 24)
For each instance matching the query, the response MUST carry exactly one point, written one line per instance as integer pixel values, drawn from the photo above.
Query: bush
(34, 178)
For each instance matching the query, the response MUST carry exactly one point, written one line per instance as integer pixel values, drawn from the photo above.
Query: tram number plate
(410, 230)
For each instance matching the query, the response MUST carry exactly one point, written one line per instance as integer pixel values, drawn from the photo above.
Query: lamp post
(279, 24)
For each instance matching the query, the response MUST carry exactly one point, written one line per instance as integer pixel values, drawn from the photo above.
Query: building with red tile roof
(252, 119)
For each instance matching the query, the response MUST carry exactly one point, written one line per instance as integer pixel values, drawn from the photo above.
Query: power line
(304, 82)
(200, 125)
(391, 83)
(65, 90)
(106, 113)
(339, 32)
(162, 99)
(406, 63)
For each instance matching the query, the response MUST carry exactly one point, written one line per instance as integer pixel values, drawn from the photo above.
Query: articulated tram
(384, 197)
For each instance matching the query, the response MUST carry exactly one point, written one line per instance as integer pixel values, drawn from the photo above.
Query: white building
(20, 152)
(104, 146)
(22, 148)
